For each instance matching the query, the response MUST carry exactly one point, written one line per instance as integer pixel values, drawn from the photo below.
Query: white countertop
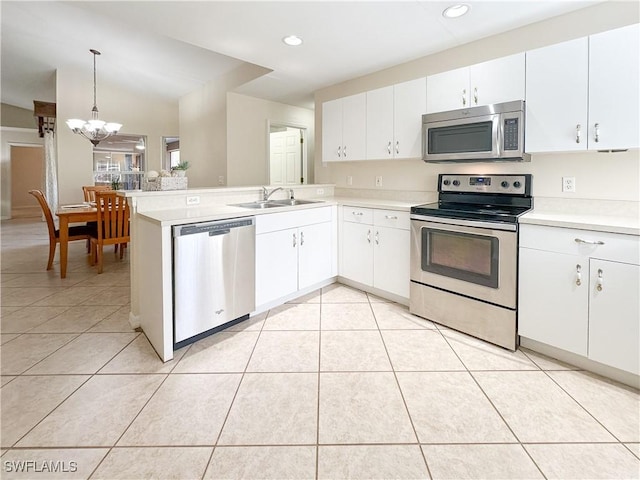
(629, 225)
(178, 216)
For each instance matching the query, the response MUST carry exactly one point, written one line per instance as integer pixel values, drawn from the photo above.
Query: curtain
(51, 170)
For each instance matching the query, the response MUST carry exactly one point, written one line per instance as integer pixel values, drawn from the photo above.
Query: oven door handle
(510, 227)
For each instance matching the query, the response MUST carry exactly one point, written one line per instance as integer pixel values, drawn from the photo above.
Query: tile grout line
(318, 390)
(235, 394)
(404, 401)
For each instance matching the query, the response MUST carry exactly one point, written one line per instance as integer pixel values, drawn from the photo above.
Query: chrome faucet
(291, 194)
(266, 193)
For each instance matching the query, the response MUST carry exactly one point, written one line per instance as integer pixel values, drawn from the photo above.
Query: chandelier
(94, 130)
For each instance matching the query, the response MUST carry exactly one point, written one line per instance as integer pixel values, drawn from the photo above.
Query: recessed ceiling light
(455, 11)
(292, 40)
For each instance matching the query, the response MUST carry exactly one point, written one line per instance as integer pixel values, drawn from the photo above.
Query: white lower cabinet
(375, 248)
(294, 250)
(578, 291)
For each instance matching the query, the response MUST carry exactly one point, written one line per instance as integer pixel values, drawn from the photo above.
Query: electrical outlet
(379, 181)
(320, 191)
(569, 184)
(349, 180)
(221, 180)
(193, 200)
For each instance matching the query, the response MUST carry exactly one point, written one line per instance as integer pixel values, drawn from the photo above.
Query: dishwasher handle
(212, 228)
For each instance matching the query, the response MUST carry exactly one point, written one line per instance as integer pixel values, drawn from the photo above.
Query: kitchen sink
(290, 202)
(275, 203)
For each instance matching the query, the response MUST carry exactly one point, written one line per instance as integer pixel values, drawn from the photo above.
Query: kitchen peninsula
(154, 214)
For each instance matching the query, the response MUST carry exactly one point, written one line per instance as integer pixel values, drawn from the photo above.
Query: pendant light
(94, 130)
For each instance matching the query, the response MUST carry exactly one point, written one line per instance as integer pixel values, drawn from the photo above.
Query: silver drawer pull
(359, 214)
(578, 275)
(390, 217)
(589, 242)
(369, 236)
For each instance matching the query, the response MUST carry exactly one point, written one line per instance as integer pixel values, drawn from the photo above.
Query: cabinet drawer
(357, 215)
(604, 245)
(392, 219)
(293, 219)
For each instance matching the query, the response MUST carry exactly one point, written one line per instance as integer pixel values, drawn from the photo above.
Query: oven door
(464, 139)
(477, 260)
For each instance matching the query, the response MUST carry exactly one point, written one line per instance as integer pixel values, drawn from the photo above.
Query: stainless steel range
(464, 255)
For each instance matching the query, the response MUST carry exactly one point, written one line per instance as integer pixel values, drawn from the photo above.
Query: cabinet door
(448, 90)
(314, 254)
(410, 103)
(557, 92)
(614, 96)
(497, 81)
(332, 130)
(553, 308)
(391, 260)
(380, 123)
(276, 265)
(357, 252)
(614, 315)
(354, 127)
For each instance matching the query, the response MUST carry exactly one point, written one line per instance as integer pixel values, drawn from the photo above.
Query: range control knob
(456, 183)
(505, 184)
(517, 184)
(447, 182)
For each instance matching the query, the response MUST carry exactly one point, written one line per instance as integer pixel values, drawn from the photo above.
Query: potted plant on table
(180, 169)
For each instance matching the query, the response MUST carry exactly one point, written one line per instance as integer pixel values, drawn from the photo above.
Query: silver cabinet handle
(397, 146)
(597, 132)
(475, 95)
(377, 238)
(578, 275)
(464, 97)
(369, 236)
(390, 217)
(578, 133)
(599, 281)
(389, 148)
(344, 151)
(294, 239)
(588, 242)
(339, 151)
(301, 238)
(357, 214)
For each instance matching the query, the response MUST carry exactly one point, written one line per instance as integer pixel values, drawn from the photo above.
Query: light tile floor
(340, 384)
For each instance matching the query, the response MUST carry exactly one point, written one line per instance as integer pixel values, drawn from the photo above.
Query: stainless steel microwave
(489, 133)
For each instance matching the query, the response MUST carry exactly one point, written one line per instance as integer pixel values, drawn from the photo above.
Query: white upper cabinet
(495, 81)
(614, 94)
(583, 94)
(344, 128)
(448, 90)
(380, 123)
(557, 92)
(409, 104)
(394, 120)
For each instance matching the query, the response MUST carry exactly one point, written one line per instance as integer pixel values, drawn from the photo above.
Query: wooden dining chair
(77, 232)
(113, 225)
(89, 191)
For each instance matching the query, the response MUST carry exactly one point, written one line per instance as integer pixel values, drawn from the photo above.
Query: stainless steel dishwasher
(213, 277)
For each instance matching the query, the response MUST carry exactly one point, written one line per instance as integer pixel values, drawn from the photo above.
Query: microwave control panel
(510, 134)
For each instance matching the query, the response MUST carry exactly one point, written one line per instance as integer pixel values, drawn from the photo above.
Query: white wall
(12, 136)
(247, 136)
(139, 113)
(203, 126)
(598, 175)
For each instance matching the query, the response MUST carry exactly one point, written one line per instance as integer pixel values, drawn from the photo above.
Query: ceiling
(173, 47)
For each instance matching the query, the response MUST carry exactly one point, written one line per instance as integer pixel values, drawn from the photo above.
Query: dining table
(68, 214)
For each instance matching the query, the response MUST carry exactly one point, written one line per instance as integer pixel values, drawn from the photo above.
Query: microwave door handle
(498, 134)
